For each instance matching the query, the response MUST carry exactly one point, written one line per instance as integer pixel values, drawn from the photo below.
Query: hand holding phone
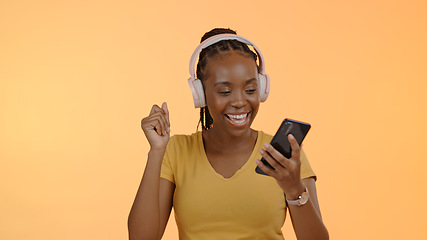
(280, 140)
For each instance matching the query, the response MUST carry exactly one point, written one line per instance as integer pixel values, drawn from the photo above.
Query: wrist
(156, 152)
(302, 199)
(294, 193)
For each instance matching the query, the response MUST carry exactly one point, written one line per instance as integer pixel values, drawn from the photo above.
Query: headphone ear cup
(196, 87)
(201, 93)
(264, 86)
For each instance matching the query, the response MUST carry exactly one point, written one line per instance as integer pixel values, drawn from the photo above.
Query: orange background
(78, 76)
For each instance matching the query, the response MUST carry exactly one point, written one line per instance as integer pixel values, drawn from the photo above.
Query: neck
(221, 141)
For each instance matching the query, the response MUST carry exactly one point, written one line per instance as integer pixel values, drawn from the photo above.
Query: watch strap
(302, 199)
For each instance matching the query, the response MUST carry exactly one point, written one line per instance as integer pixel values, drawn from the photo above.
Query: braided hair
(221, 47)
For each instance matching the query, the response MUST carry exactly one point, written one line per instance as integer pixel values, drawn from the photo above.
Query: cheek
(214, 101)
(216, 105)
(254, 99)
(255, 102)
(255, 107)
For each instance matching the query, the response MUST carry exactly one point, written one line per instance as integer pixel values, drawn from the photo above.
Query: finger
(155, 108)
(294, 145)
(152, 124)
(162, 122)
(158, 128)
(162, 118)
(166, 110)
(276, 165)
(276, 155)
(264, 168)
(156, 122)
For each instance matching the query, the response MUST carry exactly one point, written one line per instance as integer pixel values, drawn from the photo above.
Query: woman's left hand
(287, 171)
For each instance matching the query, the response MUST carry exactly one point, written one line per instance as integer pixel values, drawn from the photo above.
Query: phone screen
(280, 140)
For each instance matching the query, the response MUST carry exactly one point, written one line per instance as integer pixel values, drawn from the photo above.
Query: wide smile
(238, 120)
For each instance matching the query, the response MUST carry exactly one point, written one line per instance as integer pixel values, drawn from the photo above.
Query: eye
(251, 91)
(225, 93)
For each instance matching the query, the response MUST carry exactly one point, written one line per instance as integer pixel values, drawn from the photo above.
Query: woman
(209, 176)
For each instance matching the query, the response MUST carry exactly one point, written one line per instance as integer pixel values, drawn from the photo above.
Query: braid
(208, 119)
(205, 118)
(220, 47)
(202, 119)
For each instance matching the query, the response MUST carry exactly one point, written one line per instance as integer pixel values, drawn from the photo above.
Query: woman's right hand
(156, 127)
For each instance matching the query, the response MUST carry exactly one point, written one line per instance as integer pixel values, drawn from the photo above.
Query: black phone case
(280, 140)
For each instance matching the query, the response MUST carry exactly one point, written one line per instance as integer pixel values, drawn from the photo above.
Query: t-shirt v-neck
(249, 162)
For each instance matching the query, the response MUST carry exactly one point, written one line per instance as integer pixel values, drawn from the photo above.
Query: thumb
(165, 108)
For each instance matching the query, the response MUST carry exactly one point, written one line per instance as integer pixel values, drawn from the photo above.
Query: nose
(239, 99)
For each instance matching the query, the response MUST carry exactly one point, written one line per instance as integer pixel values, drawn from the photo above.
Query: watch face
(304, 198)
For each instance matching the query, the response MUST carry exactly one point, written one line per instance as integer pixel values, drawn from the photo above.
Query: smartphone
(280, 140)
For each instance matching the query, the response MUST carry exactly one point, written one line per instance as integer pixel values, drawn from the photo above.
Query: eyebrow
(228, 83)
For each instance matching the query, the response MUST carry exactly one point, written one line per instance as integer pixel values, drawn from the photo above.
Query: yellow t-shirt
(208, 206)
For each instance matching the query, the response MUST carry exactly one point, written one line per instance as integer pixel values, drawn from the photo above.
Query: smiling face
(232, 93)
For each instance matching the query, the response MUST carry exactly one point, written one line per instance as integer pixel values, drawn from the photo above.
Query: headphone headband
(214, 39)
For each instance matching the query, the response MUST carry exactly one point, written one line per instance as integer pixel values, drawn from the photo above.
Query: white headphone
(196, 84)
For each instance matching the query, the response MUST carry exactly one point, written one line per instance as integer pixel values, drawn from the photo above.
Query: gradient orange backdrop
(76, 77)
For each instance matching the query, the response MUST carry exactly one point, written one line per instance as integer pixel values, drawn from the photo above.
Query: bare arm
(306, 219)
(153, 202)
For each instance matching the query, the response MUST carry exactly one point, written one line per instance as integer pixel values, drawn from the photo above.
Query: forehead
(231, 67)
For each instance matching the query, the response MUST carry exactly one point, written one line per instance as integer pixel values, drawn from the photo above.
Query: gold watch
(302, 199)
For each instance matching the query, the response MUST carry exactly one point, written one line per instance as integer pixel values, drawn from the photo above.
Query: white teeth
(242, 116)
(240, 121)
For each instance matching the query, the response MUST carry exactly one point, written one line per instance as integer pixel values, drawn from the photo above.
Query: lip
(238, 124)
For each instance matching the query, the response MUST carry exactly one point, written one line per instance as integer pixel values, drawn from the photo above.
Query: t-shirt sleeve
(166, 171)
(306, 170)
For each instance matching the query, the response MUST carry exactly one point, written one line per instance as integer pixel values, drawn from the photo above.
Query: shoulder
(185, 138)
(183, 141)
(181, 147)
